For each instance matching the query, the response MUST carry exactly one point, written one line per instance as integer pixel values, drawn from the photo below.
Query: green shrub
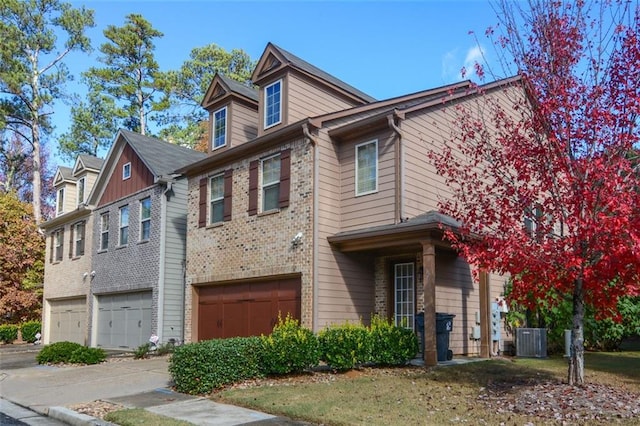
(199, 368)
(165, 348)
(142, 351)
(70, 352)
(8, 333)
(290, 348)
(345, 346)
(391, 345)
(86, 355)
(29, 330)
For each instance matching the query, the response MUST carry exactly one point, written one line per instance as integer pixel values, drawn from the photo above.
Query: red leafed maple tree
(543, 170)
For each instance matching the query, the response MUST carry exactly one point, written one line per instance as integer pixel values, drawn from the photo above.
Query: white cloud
(452, 64)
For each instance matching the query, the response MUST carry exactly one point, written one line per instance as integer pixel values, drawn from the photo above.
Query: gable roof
(276, 57)
(87, 162)
(222, 86)
(63, 174)
(160, 157)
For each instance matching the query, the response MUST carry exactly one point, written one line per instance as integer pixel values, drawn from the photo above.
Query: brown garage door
(247, 309)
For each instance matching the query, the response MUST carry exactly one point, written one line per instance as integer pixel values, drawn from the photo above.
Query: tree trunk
(576, 360)
(37, 181)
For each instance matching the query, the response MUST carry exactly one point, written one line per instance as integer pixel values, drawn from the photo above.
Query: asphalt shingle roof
(238, 87)
(162, 158)
(91, 162)
(304, 65)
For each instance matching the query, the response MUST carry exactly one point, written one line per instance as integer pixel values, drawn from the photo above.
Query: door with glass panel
(404, 294)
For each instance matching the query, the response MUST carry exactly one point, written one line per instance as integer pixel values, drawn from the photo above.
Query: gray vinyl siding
(173, 261)
(307, 100)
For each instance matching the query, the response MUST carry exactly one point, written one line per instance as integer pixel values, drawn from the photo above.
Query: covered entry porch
(417, 271)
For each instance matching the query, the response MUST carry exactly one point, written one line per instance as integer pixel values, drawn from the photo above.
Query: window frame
(215, 128)
(80, 196)
(79, 238)
(58, 245)
(270, 185)
(268, 100)
(123, 228)
(219, 201)
(60, 201)
(104, 231)
(145, 222)
(126, 171)
(357, 171)
(404, 308)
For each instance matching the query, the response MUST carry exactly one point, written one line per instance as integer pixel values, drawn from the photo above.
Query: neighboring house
(138, 251)
(318, 201)
(68, 254)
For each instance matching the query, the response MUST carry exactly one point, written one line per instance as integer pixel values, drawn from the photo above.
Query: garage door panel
(246, 309)
(67, 321)
(124, 320)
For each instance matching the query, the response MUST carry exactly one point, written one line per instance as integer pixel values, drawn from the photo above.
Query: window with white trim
(58, 245)
(78, 237)
(216, 198)
(404, 295)
(60, 201)
(145, 218)
(270, 185)
(367, 168)
(220, 128)
(123, 235)
(104, 231)
(80, 185)
(273, 104)
(126, 171)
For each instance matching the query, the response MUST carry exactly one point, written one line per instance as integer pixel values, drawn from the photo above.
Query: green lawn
(418, 396)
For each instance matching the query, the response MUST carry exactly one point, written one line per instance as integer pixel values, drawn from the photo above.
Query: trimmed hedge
(290, 348)
(345, 346)
(8, 333)
(392, 345)
(199, 368)
(70, 352)
(29, 330)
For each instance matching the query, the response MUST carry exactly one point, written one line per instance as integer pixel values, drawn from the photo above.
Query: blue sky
(384, 48)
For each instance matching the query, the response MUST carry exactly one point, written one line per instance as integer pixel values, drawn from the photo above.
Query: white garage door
(124, 320)
(68, 320)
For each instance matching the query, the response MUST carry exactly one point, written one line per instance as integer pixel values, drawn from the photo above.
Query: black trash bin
(444, 326)
(420, 329)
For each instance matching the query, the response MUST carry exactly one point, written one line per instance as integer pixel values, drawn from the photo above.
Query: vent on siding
(531, 342)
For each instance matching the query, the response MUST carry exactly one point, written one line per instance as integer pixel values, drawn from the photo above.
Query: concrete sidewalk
(144, 383)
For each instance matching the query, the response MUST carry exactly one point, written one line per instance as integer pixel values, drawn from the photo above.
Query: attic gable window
(220, 128)
(60, 202)
(273, 104)
(126, 171)
(81, 185)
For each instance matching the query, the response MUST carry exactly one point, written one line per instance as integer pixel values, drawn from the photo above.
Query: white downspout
(161, 261)
(315, 198)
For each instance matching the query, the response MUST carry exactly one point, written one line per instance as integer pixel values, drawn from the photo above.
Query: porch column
(485, 315)
(430, 352)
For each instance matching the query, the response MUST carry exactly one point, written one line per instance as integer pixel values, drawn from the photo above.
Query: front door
(404, 294)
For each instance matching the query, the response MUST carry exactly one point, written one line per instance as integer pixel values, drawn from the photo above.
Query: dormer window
(126, 171)
(80, 185)
(273, 104)
(220, 128)
(60, 202)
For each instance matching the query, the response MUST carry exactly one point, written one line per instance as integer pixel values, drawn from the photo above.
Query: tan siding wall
(244, 124)
(307, 100)
(372, 209)
(254, 246)
(64, 279)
